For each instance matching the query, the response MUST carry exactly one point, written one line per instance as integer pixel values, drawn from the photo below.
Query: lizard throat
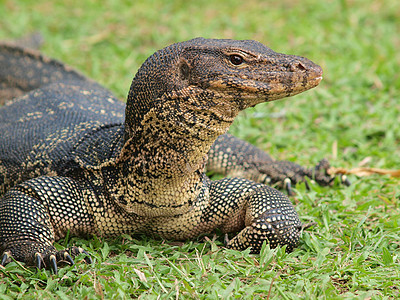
(173, 167)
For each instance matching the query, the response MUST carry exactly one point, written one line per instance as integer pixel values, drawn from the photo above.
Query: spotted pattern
(69, 161)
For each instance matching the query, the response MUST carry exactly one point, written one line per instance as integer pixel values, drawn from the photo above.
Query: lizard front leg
(35, 213)
(233, 157)
(259, 213)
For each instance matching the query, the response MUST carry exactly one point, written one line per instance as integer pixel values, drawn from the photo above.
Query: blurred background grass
(352, 117)
(356, 43)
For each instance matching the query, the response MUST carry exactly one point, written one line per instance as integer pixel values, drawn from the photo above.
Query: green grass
(352, 117)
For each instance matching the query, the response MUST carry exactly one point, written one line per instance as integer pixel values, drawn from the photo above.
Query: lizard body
(70, 161)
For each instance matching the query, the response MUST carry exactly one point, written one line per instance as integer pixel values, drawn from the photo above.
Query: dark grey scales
(69, 161)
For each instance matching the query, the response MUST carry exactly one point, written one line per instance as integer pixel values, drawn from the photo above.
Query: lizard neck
(181, 99)
(163, 161)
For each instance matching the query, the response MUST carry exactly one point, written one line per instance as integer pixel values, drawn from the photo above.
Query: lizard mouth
(272, 86)
(316, 80)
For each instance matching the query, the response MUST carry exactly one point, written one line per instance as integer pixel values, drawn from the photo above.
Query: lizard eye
(236, 59)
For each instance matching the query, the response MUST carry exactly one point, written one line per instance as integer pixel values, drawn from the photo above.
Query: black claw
(267, 180)
(78, 250)
(345, 180)
(226, 240)
(53, 264)
(69, 259)
(74, 251)
(87, 258)
(288, 186)
(307, 185)
(4, 259)
(39, 260)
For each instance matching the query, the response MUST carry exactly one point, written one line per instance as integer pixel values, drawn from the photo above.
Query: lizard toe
(75, 251)
(276, 230)
(226, 240)
(344, 180)
(52, 259)
(320, 173)
(88, 259)
(307, 185)
(265, 179)
(64, 256)
(53, 263)
(288, 185)
(39, 262)
(69, 259)
(6, 258)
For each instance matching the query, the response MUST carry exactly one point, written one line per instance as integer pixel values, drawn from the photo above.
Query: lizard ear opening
(184, 70)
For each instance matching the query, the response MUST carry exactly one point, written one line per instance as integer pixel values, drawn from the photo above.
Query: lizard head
(247, 72)
(219, 76)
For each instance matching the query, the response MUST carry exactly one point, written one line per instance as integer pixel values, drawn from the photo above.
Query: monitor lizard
(72, 161)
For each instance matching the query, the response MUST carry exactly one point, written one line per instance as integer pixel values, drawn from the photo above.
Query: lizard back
(47, 132)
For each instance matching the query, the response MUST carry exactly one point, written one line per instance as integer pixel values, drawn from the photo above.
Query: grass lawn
(352, 119)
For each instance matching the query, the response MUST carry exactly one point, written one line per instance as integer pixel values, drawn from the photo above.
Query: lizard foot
(272, 227)
(285, 174)
(321, 174)
(47, 258)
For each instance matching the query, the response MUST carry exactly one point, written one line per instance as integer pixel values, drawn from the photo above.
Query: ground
(352, 119)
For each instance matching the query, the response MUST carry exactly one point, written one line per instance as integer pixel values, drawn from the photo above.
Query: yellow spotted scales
(70, 162)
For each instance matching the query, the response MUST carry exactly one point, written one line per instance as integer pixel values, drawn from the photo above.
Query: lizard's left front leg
(233, 157)
(259, 213)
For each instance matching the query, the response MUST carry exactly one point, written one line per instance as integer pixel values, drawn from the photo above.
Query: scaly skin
(69, 162)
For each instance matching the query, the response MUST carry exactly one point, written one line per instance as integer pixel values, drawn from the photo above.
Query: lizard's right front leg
(35, 213)
(257, 212)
